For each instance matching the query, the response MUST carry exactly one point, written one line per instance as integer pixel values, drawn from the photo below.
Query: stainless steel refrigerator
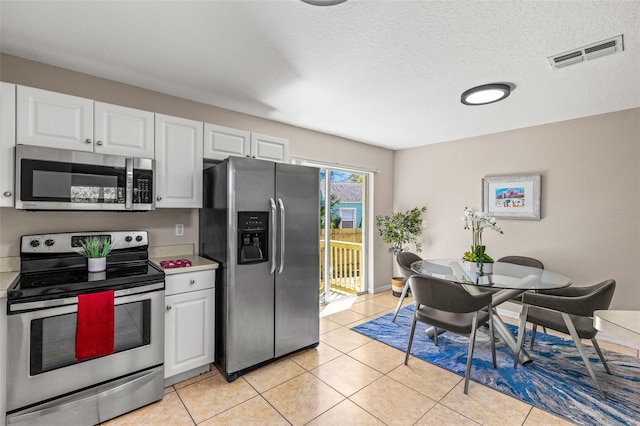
(260, 221)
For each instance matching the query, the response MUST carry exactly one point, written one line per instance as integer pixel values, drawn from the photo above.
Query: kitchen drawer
(189, 281)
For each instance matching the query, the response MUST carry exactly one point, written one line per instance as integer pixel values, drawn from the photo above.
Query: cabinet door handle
(158, 198)
(99, 143)
(7, 194)
(168, 307)
(192, 282)
(87, 141)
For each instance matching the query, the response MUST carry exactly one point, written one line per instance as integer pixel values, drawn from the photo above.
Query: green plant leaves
(95, 247)
(401, 229)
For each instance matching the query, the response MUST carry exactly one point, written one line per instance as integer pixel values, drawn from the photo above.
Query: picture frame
(512, 197)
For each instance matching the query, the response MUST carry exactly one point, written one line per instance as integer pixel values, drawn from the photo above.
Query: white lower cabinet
(189, 325)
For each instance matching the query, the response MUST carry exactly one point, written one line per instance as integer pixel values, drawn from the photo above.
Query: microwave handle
(128, 202)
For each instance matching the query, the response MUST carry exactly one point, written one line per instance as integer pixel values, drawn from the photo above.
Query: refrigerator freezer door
(249, 295)
(297, 282)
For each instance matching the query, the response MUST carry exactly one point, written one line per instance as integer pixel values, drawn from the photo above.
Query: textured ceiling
(387, 73)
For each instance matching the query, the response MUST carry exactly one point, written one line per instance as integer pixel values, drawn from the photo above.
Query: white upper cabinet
(178, 153)
(7, 142)
(269, 147)
(123, 131)
(56, 120)
(222, 142)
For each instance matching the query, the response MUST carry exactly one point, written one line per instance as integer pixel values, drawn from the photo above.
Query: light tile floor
(349, 379)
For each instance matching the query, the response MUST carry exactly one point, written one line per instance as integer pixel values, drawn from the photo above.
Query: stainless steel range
(46, 382)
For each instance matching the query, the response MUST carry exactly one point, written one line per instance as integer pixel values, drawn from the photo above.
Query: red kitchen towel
(95, 331)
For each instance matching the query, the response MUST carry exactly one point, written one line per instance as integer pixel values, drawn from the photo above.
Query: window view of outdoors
(342, 203)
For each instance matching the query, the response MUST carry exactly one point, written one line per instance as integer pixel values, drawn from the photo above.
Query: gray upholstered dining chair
(405, 259)
(447, 305)
(568, 310)
(524, 261)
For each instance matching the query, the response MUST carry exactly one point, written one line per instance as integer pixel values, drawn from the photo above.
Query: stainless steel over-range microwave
(59, 179)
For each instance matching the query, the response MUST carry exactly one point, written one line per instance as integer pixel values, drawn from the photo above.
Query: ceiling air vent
(585, 53)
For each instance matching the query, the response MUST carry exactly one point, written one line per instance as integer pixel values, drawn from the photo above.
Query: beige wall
(590, 167)
(303, 143)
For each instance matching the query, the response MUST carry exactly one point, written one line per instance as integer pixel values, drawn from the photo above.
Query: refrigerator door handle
(282, 228)
(273, 236)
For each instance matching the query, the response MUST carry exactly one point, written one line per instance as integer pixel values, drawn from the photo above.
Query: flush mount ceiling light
(324, 2)
(486, 94)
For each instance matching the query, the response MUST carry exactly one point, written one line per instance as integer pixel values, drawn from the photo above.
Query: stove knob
(128, 238)
(34, 243)
(139, 238)
(49, 243)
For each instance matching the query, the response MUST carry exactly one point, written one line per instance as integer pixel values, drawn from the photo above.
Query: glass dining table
(506, 281)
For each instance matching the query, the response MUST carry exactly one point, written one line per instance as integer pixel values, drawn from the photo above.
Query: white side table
(622, 325)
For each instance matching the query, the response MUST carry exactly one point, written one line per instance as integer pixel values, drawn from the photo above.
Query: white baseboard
(381, 289)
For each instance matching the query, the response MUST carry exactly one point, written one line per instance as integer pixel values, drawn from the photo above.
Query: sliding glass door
(343, 228)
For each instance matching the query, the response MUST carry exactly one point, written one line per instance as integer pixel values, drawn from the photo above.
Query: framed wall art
(512, 197)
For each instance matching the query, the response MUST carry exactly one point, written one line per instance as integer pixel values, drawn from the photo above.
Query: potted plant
(400, 230)
(478, 260)
(96, 249)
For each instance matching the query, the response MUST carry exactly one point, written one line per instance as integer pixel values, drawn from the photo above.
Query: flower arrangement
(95, 247)
(477, 221)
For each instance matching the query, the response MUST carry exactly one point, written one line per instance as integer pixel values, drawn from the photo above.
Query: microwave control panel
(143, 186)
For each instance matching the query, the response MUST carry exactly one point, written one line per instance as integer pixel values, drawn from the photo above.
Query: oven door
(41, 361)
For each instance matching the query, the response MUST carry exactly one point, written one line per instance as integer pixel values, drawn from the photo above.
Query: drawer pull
(192, 282)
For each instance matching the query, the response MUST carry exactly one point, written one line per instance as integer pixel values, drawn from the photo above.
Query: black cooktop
(43, 285)
(52, 266)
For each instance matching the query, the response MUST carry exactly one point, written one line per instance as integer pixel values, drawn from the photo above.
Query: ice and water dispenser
(253, 231)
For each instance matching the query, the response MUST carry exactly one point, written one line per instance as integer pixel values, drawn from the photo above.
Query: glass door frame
(366, 225)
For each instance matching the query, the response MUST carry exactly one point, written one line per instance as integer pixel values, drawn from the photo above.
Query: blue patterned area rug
(556, 381)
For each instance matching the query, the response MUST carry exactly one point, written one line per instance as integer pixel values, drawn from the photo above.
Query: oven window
(53, 339)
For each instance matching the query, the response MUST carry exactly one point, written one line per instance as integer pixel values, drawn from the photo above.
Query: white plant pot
(97, 264)
(472, 267)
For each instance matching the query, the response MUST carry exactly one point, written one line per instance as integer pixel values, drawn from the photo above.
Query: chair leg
(402, 296)
(472, 341)
(413, 329)
(435, 336)
(492, 337)
(534, 330)
(583, 354)
(597, 346)
(522, 330)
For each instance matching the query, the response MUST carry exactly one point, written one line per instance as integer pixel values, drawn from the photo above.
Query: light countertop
(6, 278)
(197, 264)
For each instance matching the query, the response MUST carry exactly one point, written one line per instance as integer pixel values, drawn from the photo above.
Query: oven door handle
(54, 303)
